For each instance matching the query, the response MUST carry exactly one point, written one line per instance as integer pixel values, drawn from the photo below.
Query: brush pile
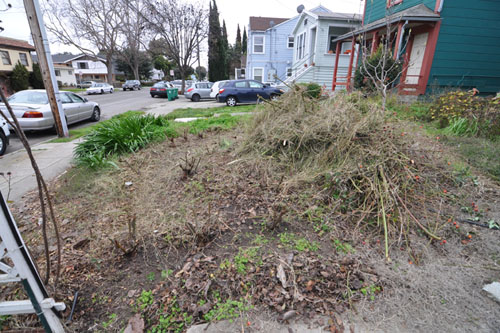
(363, 165)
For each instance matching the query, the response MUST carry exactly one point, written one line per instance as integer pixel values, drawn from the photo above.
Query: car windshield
(29, 97)
(130, 81)
(159, 85)
(99, 85)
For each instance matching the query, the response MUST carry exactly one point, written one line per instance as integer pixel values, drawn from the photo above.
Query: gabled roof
(416, 13)
(56, 58)
(84, 55)
(323, 15)
(320, 9)
(258, 23)
(16, 43)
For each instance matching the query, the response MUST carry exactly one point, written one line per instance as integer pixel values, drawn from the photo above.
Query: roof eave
(381, 24)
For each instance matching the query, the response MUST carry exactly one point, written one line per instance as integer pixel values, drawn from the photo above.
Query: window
(76, 98)
(254, 84)
(334, 33)
(391, 3)
(258, 74)
(258, 44)
(58, 72)
(301, 46)
(83, 65)
(23, 58)
(240, 84)
(271, 73)
(290, 42)
(5, 58)
(288, 71)
(70, 72)
(65, 99)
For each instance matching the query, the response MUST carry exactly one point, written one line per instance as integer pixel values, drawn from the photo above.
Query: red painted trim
(438, 4)
(391, 3)
(427, 62)
(349, 70)
(337, 56)
(406, 63)
(398, 40)
(375, 41)
(429, 57)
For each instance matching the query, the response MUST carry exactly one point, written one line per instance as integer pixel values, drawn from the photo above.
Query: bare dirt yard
(343, 220)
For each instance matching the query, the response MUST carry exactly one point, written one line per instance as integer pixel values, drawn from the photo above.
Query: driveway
(116, 103)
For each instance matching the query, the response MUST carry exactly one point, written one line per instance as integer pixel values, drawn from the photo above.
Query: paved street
(112, 104)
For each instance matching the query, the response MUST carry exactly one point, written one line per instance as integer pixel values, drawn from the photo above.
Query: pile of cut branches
(365, 166)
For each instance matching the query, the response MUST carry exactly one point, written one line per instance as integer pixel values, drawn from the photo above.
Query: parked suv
(4, 136)
(247, 91)
(198, 91)
(132, 85)
(86, 84)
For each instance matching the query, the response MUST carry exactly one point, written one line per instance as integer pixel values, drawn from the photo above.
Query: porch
(411, 36)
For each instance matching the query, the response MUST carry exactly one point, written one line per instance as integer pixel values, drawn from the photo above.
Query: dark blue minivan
(246, 91)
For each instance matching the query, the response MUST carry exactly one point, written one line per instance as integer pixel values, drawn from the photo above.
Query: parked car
(4, 136)
(85, 84)
(198, 91)
(247, 91)
(33, 112)
(100, 88)
(160, 89)
(214, 92)
(131, 85)
(178, 84)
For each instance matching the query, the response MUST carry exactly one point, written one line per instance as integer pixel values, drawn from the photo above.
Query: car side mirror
(85, 100)
(266, 86)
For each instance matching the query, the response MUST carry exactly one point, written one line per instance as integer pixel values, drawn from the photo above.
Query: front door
(414, 73)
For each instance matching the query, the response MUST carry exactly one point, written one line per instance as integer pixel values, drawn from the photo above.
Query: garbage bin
(172, 93)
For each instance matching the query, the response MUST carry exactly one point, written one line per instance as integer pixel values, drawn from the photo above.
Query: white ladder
(24, 271)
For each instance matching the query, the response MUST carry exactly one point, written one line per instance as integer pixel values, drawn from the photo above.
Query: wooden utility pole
(41, 42)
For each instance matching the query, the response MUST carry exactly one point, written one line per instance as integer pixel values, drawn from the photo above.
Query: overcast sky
(234, 12)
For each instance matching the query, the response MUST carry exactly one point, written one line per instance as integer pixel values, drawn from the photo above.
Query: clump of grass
(361, 162)
(121, 135)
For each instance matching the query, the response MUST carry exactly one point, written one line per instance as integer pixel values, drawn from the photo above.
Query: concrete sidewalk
(52, 159)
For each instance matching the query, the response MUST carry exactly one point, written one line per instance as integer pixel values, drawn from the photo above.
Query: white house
(314, 46)
(65, 74)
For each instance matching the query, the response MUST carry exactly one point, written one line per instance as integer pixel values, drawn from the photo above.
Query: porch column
(398, 40)
(375, 41)
(351, 60)
(335, 69)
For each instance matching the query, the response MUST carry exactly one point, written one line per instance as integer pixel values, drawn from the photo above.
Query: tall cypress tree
(244, 41)
(215, 56)
(225, 51)
(237, 44)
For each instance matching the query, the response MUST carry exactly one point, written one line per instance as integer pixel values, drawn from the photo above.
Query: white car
(4, 136)
(100, 88)
(33, 112)
(214, 92)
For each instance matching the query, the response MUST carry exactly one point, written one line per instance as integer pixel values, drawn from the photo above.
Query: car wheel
(3, 143)
(231, 101)
(195, 98)
(96, 114)
(102, 91)
(153, 96)
(111, 91)
(138, 88)
(274, 97)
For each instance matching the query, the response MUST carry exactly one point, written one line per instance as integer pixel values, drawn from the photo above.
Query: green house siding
(377, 9)
(468, 48)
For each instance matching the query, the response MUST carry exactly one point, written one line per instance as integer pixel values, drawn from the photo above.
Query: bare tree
(384, 70)
(133, 32)
(92, 26)
(183, 27)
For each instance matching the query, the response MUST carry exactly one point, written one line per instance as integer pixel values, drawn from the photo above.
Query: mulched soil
(189, 231)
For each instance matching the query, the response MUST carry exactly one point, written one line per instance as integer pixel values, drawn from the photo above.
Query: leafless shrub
(189, 165)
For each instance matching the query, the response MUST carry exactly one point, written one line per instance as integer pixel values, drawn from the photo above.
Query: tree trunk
(135, 69)
(109, 67)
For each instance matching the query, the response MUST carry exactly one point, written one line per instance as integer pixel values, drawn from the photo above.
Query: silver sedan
(33, 112)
